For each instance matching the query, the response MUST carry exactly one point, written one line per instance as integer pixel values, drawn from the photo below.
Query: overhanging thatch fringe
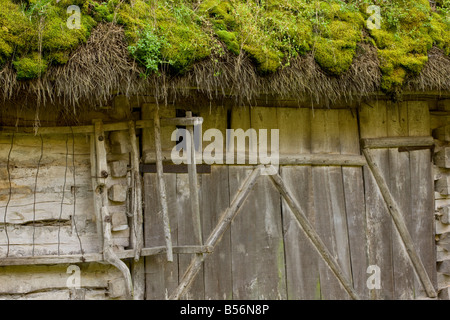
(102, 68)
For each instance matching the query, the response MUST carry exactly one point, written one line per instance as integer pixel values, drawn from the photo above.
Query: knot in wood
(108, 219)
(101, 138)
(104, 174)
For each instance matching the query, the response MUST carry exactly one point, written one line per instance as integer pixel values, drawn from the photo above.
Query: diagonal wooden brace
(400, 225)
(216, 235)
(162, 186)
(313, 236)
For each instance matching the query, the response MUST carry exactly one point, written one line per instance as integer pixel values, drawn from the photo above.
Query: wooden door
(264, 254)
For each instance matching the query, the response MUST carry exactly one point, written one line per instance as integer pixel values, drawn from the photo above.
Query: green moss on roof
(174, 34)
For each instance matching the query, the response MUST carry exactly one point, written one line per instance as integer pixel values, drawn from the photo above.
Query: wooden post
(216, 235)
(97, 196)
(193, 187)
(138, 271)
(137, 193)
(400, 225)
(162, 186)
(313, 236)
(102, 174)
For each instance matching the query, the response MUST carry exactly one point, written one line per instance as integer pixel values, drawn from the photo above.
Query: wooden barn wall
(440, 123)
(264, 254)
(47, 208)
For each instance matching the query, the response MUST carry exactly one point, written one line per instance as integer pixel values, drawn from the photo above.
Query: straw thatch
(103, 68)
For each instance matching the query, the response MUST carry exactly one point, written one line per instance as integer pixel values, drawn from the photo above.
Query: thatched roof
(103, 66)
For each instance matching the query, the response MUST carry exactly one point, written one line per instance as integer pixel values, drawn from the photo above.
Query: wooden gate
(310, 232)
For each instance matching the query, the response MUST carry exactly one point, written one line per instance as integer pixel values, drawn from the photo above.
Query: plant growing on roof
(147, 50)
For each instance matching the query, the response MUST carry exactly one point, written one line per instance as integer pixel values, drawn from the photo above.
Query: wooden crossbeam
(397, 142)
(347, 160)
(98, 257)
(89, 129)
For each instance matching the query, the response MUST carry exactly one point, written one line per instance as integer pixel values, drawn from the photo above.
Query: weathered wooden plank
(257, 236)
(47, 209)
(148, 135)
(98, 257)
(161, 187)
(313, 236)
(186, 235)
(138, 266)
(193, 187)
(400, 225)
(50, 179)
(46, 241)
(442, 158)
(31, 279)
(397, 142)
(354, 202)
(217, 268)
(443, 185)
(442, 133)
(379, 225)
(89, 129)
(214, 200)
(26, 150)
(217, 234)
(399, 184)
(161, 276)
(102, 178)
(285, 158)
(422, 202)
(331, 223)
(302, 270)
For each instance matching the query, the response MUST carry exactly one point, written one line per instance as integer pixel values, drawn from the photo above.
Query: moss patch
(174, 34)
(30, 67)
(408, 30)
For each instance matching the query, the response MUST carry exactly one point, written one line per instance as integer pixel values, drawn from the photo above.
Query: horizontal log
(442, 133)
(322, 159)
(444, 267)
(284, 159)
(442, 158)
(397, 142)
(88, 129)
(98, 257)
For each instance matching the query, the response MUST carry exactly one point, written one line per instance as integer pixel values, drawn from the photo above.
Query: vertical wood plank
(422, 193)
(331, 221)
(161, 275)
(214, 200)
(354, 201)
(379, 223)
(257, 242)
(302, 270)
(186, 235)
(399, 184)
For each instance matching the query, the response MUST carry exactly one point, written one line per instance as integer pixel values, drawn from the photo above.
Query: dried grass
(102, 68)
